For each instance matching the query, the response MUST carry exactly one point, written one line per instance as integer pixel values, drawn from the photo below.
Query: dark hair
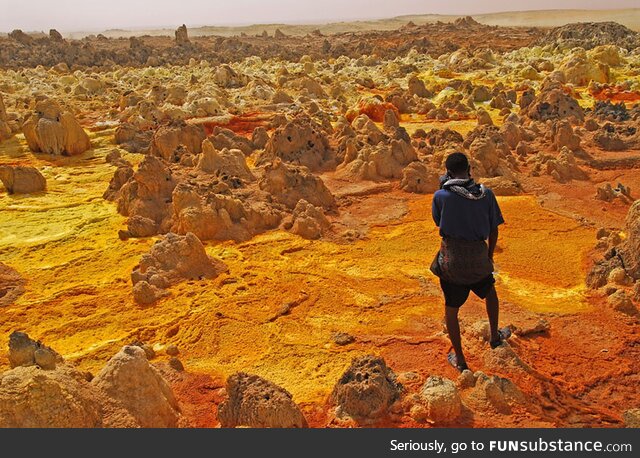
(457, 163)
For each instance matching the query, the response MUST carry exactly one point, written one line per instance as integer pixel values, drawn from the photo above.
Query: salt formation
(370, 154)
(441, 400)
(367, 389)
(258, 403)
(300, 142)
(171, 260)
(147, 194)
(553, 103)
(24, 351)
(625, 255)
(182, 36)
(289, 184)
(5, 129)
(22, 179)
(41, 390)
(129, 379)
(54, 131)
(494, 393)
(166, 141)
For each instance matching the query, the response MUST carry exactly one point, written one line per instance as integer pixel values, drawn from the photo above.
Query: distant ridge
(629, 17)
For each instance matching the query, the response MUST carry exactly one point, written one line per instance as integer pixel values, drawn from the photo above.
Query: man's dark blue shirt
(467, 219)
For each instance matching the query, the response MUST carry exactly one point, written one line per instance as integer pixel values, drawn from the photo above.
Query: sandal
(503, 334)
(453, 361)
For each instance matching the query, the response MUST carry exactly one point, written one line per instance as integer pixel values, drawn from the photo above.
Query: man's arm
(435, 210)
(493, 240)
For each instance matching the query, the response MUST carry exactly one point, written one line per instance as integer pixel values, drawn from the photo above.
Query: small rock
(619, 276)
(441, 399)
(176, 364)
(342, 338)
(621, 302)
(418, 413)
(540, 327)
(45, 358)
(466, 379)
(631, 418)
(172, 350)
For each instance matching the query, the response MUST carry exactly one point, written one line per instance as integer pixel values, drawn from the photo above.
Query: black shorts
(456, 295)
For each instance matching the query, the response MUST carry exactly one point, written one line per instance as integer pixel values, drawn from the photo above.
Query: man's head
(457, 165)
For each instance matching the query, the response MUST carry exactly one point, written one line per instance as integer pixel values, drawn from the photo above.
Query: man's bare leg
(453, 327)
(493, 310)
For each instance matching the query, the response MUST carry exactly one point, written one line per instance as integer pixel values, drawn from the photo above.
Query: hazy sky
(86, 15)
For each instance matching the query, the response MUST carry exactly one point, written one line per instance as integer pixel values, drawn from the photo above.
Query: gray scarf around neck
(465, 187)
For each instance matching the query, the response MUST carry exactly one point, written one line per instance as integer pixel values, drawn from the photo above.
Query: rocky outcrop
(625, 254)
(148, 193)
(299, 142)
(553, 103)
(419, 178)
(132, 139)
(5, 129)
(129, 379)
(494, 393)
(171, 260)
(167, 139)
(562, 168)
(226, 77)
(11, 285)
(288, 184)
(43, 391)
(307, 221)
(377, 162)
(22, 179)
(54, 131)
(182, 36)
(588, 35)
(580, 70)
(366, 390)
(24, 351)
(33, 398)
(257, 403)
(212, 215)
(228, 165)
(441, 400)
(563, 135)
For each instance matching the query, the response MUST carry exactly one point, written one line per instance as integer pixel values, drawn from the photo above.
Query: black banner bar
(328, 443)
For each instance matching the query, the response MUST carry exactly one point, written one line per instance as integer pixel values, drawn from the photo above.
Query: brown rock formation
(24, 351)
(308, 221)
(148, 193)
(182, 36)
(441, 400)
(11, 285)
(54, 131)
(419, 178)
(258, 403)
(367, 389)
(129, 379)
(226, 164)
(288, 184)
(173, 259)
(167, 139)
(21, 179)
(300, 142)
(5, 130)
(553, 103)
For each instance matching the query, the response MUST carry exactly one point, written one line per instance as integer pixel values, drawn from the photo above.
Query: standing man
(468, 216)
